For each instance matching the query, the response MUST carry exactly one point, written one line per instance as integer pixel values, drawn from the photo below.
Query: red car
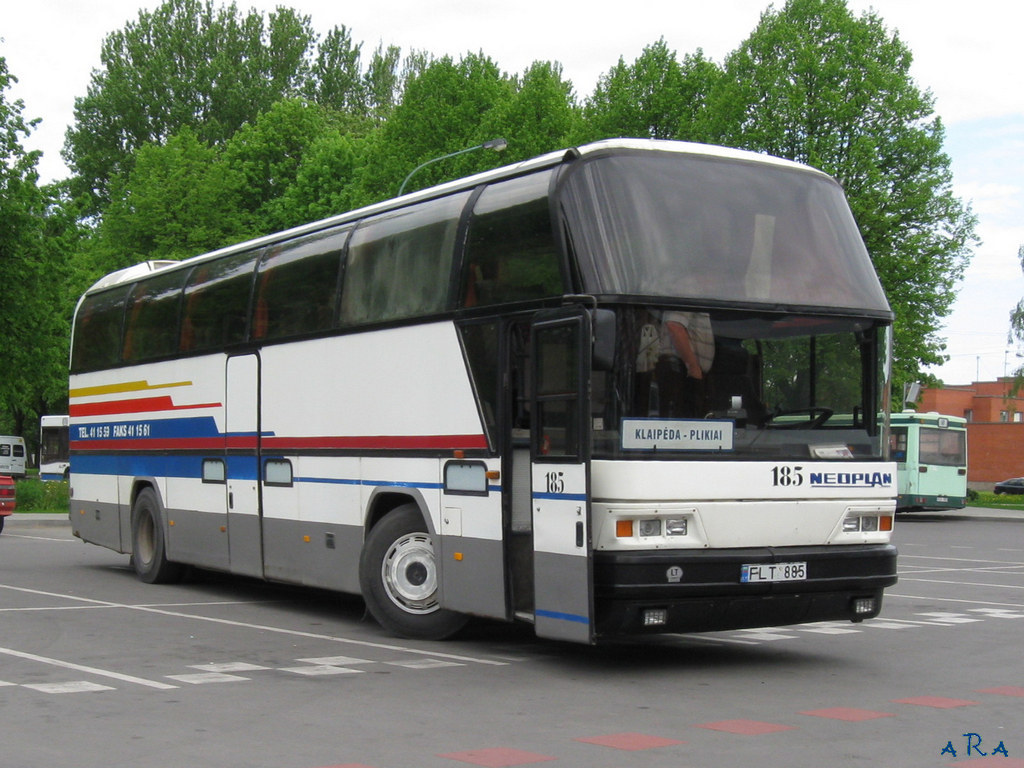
(7, 498)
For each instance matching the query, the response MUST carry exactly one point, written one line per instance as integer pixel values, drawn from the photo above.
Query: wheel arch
(384, 500)
(139, 484)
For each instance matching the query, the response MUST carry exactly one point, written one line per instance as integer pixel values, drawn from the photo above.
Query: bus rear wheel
(398, 576)
(149, 553)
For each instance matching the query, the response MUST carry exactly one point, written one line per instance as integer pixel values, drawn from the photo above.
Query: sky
(965, 54)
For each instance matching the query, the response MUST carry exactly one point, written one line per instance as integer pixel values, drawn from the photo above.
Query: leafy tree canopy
(33, 262)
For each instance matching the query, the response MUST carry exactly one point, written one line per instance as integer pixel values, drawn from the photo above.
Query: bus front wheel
(398, 576)
(149, 553)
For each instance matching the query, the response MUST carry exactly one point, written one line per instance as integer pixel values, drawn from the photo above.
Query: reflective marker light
(863, 605)
(675, 527)
(655, 617)
(650, 527)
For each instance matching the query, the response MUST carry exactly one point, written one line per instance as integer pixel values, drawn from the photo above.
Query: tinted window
(689, 226)
(217, 303)
(153, 312)
(481, 343)
(399, 263)
(296, 288)
(97, 340)
(511, 253)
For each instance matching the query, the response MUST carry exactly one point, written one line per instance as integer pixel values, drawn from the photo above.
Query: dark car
(1014, 485)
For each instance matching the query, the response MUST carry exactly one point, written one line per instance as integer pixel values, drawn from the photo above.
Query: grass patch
(993, 501)
(36, 496)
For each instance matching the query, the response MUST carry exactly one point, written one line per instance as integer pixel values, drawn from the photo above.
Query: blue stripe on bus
(191, 468)
(350, 481)
(563, 616)
(150, 428)
(561, 496)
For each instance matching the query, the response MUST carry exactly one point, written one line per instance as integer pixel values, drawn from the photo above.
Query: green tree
(336, 78)
(187, 63)
(382, 82)
(815, 84)
(33, 259)
(326, 180)
(540, 115)
(443, 109)
(656, 96)
(180, 199)
(268, 153)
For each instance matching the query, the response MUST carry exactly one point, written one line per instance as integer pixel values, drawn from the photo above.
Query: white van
(12, 456)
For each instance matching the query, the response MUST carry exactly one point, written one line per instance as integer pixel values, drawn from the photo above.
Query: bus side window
(297, 285)
(152, 323)
(217, 303)
(511, 253)
(399, 263)
(98, 326)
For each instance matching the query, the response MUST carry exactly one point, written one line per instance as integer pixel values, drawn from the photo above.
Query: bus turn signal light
(624, 529)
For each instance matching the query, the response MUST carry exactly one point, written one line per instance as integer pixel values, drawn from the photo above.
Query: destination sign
(677, 435)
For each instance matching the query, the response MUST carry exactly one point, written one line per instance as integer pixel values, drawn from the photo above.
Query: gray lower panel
(562, 598)
(197, 538)
(472, 576)
(103, 523)
(314, 554)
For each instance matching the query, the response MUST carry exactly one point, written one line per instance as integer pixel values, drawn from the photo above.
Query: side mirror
(603, 328)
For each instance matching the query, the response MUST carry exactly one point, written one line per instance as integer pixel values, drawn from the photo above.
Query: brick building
(995, 427)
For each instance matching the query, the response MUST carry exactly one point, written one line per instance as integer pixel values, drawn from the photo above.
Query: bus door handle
(231, 500)
(579, 534)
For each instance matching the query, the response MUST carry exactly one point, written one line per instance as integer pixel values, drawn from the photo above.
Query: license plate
(773, 572)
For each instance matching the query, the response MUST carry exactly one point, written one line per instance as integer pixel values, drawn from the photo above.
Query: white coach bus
(477, 400)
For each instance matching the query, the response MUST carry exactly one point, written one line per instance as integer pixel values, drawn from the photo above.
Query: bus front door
(242, 448)
(560, 476)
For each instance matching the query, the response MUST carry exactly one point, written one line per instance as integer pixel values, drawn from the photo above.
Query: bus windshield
(784, 386)
(718, 230)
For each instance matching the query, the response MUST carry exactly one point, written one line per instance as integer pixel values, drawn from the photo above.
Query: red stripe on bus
(286, 444)
(136, 405)
(406, 442)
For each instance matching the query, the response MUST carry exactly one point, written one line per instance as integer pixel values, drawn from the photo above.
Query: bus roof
(609, 146)
(929, 417)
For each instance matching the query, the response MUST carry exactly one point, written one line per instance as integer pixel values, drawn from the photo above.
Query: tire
(2, 518)
(149, 553)
(398, 577)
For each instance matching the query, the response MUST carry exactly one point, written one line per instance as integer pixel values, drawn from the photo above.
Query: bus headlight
(648, 528)
(675, 527)
(860, 523)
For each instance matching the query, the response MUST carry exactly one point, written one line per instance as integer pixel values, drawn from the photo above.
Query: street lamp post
(497, 145)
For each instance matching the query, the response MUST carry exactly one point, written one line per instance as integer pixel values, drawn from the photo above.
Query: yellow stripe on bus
(127, 386)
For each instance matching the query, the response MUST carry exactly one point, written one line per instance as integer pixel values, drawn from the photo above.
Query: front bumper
(700, 590)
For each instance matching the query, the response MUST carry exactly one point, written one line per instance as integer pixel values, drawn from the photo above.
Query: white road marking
(89, 670)
(262, 627)
(77, 686)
